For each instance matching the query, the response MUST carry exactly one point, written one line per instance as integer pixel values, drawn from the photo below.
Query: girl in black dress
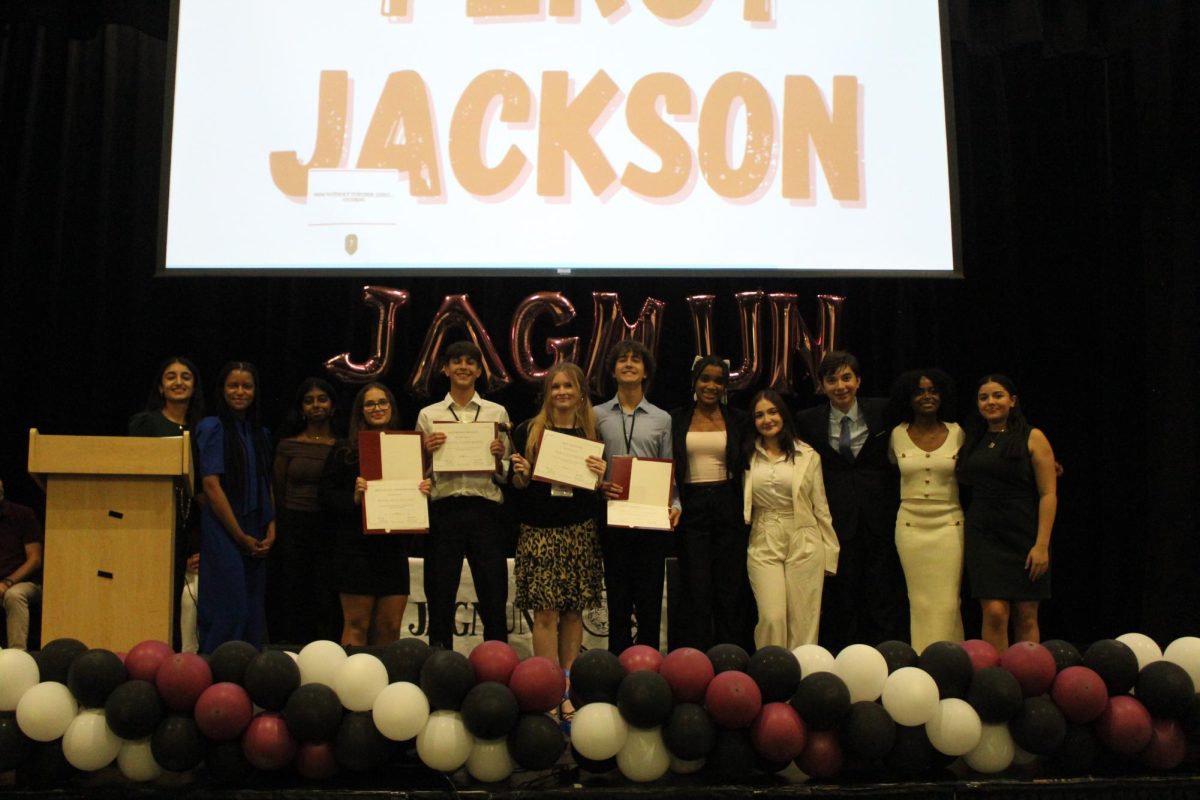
(1011, 470)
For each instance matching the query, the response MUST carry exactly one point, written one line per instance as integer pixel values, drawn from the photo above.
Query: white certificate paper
(396, 505)
(649, 502)
(468, 447)
(562, 458)
(400, 458)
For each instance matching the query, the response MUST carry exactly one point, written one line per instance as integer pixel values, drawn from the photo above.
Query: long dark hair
(237, 471)
(293, 418)
(907, 385)
(347, 450)
(787, 436)
(1014, 445)
(155, 400)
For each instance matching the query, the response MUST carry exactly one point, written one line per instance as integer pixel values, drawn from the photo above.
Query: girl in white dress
(929, 525)
(792, 542)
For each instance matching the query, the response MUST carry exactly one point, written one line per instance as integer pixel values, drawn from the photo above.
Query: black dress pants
(633, 584)
(473, 527)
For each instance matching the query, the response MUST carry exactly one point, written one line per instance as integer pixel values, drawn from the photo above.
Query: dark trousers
(302, 604)
(865, 603)
(633, 584)
(712, 541)
(472, 527)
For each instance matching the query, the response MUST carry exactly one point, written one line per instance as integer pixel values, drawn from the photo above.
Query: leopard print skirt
(559, 569)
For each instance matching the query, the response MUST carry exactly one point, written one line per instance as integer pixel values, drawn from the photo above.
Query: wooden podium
(108, 576)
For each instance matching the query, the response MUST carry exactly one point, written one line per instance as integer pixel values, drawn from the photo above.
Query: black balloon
(359, 746)
(1191, 721)
(644, 699)
(1040, 727)
(897, 654)
(995, 695)
(15, 747)
(313, 713)
(271, 677)
(596, 677)
(728, 658)
(776, 671)
(47, 765)
(1078, 752)
(226, 763)
(1165, 689)
(689, 732)
(1065, 654)
(490, 710)
(133, 710)
(54, 659)
(404, 659)
(592, 765)
(177, 744)
(536, 742)
(94, 675)
(821, 700)
(912, 755)
(768, 766)
(949, 666)
(868, 731)
(446, 677)
(1114, 662)
(229, 661)
(732, 756)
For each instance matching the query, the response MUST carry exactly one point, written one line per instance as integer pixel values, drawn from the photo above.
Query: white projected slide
(559, 137)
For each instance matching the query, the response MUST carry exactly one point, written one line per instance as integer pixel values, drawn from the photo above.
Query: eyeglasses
(372, 404)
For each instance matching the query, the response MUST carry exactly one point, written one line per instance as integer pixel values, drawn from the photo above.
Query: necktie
(844, 440)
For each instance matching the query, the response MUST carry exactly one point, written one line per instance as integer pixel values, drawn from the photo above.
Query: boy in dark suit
(865, 601)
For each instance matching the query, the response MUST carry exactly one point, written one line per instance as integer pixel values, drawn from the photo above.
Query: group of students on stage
(765, 507)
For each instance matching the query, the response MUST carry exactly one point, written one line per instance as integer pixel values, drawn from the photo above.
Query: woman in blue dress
(237, 526)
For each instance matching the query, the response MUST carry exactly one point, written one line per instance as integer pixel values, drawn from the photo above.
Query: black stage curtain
(1076, 125)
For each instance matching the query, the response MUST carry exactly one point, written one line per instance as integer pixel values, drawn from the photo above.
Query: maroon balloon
(315, 761)
(1032, 665)
(538, 684)
(983, 654)
(790, 334)
(223, 711)
(1080, 694)
(493, 661)
(822, 757)
(144, 658)
(1168, 745)
(181, 679)
(641, 656)
(386, 301)
(609, 327)
(267, 742)
(456, 312)
(1125, 725)
(733, 699)
(520, 334)
(688, 672)
(778, 733)
(749, 304)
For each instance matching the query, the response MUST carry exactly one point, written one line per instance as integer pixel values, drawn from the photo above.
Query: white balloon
(813, 658)
(18, 674)
(1145, 648)
(319, 662)
(910, 695)
(644, 757)
(863, 669)
(598, 731)
(490, 761)
(1022, 758)
(995, 750)
(359, 680)
(400, 711)
(137, 762)
(681, 767)
(89, 744)
(45, 711)
(955, 729)
(1185, 652)
(294, 656)
(444, 743)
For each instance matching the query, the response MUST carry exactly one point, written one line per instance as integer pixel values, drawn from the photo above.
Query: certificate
(394, 460)
(562, 458)
(394, 506)
(645, 493)
(468, 447)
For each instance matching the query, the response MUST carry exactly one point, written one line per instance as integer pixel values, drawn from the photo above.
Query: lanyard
(478, 408)
(628, 435)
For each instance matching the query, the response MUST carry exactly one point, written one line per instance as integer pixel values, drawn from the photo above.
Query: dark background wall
(1076, 131)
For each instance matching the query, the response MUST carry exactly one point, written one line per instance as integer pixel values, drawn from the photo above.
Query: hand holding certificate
(466, 447)
(395, 506)
(562, 458)
(646, 493)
